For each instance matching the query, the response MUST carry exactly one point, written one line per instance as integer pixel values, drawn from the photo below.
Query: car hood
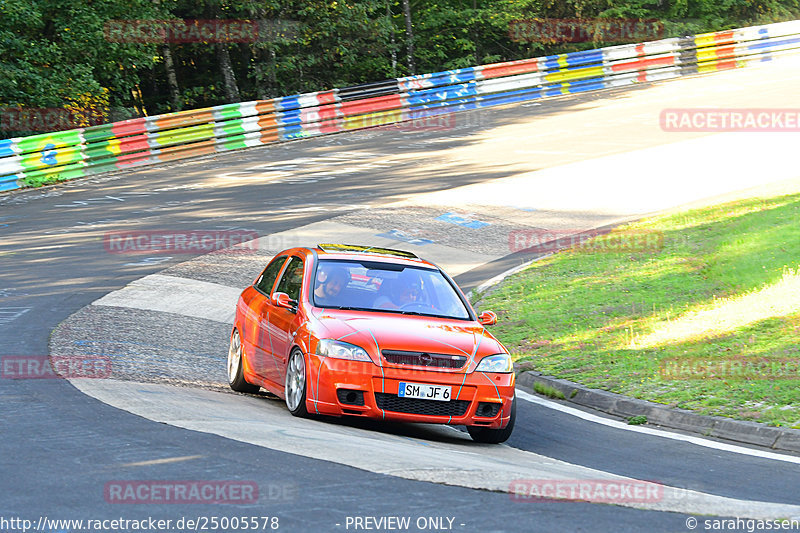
(406, 332)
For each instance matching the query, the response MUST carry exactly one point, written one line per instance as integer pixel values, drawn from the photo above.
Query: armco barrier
(51, 157)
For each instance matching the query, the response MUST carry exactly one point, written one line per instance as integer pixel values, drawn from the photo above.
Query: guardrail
(51, 157)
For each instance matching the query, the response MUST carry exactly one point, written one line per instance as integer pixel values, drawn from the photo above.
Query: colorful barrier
(52, 157)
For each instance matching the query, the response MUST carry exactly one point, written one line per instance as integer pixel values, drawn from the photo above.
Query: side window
(292, 279)
(267, 280)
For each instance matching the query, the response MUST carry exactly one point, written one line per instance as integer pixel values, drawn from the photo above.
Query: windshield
(386, 287)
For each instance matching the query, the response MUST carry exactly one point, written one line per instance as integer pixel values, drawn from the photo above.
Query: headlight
(496, 363)
(342, 350)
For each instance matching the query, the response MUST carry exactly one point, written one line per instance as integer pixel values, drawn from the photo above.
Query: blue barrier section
(288, 102)
(5, 148)
(574, 60)
(8, 183)
(511, 97)
(441, 94)
(774, 44)
(294, 131)
(291, 118)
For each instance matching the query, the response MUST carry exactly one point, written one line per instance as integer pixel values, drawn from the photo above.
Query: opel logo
(426, 359)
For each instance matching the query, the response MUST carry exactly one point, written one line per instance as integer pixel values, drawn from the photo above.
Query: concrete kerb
(622, 406)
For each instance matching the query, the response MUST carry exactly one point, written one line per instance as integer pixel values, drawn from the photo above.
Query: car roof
(373, 253)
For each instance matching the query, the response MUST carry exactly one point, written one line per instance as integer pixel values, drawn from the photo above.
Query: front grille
(436, 360)
(392, 402)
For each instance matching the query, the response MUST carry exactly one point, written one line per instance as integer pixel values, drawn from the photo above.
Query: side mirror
(281, 299)
(487, 318)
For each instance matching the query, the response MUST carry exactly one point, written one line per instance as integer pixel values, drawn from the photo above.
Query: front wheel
(295, 387)
(494, 436)
(235, 363)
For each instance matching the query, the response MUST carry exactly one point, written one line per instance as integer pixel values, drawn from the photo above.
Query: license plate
(422, 391)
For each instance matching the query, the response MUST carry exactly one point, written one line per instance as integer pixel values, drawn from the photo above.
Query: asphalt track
(60, 446)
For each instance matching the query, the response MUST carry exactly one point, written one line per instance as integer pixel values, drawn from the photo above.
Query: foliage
(54, 53)
(547, 390)
(637, 420)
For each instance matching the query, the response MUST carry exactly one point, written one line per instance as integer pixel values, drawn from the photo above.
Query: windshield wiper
(417, 313)
(351, 308)
(381, 310)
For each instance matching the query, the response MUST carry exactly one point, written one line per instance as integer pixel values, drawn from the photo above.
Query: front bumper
(473, 395)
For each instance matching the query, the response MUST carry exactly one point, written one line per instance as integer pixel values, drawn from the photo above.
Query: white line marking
(8, 314)
(164, 461)
(656, 432)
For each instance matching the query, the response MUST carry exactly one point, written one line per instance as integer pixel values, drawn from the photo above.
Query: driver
(331, 286)
(406, 290)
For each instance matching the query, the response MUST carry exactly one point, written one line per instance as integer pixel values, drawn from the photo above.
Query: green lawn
(724, 289)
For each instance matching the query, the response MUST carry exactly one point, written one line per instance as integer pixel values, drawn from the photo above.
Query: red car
(371, 332)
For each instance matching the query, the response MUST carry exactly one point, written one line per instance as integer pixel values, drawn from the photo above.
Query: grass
(637, 420)
(724, 286)
(546, 390)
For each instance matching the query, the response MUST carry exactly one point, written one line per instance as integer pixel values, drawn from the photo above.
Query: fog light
(350, 397)
(488, 409)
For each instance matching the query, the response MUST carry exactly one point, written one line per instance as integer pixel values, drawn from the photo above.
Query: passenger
(334, 281)
(405, 290)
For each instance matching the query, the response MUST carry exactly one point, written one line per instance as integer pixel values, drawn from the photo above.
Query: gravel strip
(148, 346)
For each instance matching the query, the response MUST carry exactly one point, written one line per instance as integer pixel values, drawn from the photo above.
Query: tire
(494, 436)
(295, 384)
(235, 373)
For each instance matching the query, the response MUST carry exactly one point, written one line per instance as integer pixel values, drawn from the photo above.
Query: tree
(412, 69)
(60, 54)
